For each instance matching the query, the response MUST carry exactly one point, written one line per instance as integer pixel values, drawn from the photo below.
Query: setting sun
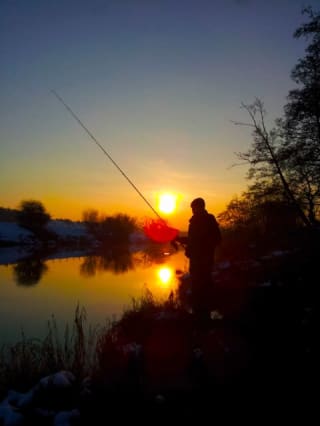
(167, 203)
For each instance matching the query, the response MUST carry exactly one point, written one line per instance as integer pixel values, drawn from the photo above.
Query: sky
(158, 83)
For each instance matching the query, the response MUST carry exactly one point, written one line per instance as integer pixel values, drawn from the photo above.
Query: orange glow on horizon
(61, 205)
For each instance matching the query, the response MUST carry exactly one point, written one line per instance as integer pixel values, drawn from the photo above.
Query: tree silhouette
(266, 163)
(32, 215)
(301, 124)
(284, 162)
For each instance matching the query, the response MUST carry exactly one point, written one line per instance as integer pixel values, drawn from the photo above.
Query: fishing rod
(105, 152)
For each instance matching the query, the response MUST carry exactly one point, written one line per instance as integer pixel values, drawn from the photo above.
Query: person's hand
(181, 240)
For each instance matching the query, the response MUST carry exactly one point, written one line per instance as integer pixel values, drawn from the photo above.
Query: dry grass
(24, 363)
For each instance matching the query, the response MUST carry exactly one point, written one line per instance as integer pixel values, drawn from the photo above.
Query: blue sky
(158, 83)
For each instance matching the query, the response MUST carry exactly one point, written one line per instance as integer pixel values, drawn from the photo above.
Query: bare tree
(265, 158)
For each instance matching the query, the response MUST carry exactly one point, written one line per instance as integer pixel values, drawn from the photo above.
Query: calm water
(34, 289)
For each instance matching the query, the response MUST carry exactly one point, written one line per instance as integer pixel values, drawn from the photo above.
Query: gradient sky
(158, 83)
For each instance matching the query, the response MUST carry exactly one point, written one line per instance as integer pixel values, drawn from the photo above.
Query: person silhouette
(203, 237)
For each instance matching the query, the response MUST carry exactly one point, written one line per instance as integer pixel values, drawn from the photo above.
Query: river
(34, 289)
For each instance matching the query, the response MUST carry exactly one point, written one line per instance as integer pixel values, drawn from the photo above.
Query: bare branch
(237, 164)
(239, 123)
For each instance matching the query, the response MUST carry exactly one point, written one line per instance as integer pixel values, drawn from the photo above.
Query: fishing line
(104, 151)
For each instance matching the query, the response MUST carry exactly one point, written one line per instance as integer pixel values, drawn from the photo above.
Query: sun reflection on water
(165, 276)
(104, 285)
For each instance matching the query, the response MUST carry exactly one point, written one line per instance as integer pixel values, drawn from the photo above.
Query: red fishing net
(159, 231)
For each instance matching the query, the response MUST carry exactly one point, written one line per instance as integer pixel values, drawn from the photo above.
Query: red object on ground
(158, 231)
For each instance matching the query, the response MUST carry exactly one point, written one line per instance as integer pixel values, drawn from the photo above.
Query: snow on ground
(138, 237)
(67, 229)
(13, 254)
(10, 231)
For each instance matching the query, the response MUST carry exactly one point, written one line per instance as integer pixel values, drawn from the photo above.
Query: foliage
(119, 226)
(32, 215)
(116, 228)
(262, 215)
(256, 224)
(237, 214)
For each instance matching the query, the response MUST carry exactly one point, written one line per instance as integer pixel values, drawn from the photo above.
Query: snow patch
(10, 231)
(67, 229)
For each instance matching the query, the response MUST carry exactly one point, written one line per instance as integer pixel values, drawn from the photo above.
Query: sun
(167, 203)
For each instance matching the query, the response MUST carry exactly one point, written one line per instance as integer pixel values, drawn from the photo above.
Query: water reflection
(28, 272)
(155, 254)
(165, 275)
(59, 286)
(121, 259)
(117, 259)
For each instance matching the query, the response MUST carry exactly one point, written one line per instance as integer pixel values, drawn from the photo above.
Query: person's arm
(182, 240)
(216, 232)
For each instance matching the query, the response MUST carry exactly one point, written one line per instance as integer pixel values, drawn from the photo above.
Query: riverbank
(68, 239)
(257, 352)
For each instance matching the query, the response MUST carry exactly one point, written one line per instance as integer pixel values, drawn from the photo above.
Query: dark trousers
(201, 287)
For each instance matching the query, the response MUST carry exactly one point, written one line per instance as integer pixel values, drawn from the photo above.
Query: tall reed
(24, 363)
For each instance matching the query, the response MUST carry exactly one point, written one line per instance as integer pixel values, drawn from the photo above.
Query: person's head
(198, 205)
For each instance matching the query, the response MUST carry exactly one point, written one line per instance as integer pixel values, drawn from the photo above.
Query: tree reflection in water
(155, 254)
(117, 259)
(120, 259)
(28, 272)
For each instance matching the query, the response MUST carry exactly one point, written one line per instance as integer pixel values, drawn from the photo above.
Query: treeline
(33, 216)
(104, 227)
(8, 215)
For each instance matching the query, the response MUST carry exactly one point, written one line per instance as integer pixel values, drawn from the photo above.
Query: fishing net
(159, 231)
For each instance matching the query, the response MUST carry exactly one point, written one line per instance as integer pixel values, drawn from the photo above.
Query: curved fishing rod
(104, 151)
